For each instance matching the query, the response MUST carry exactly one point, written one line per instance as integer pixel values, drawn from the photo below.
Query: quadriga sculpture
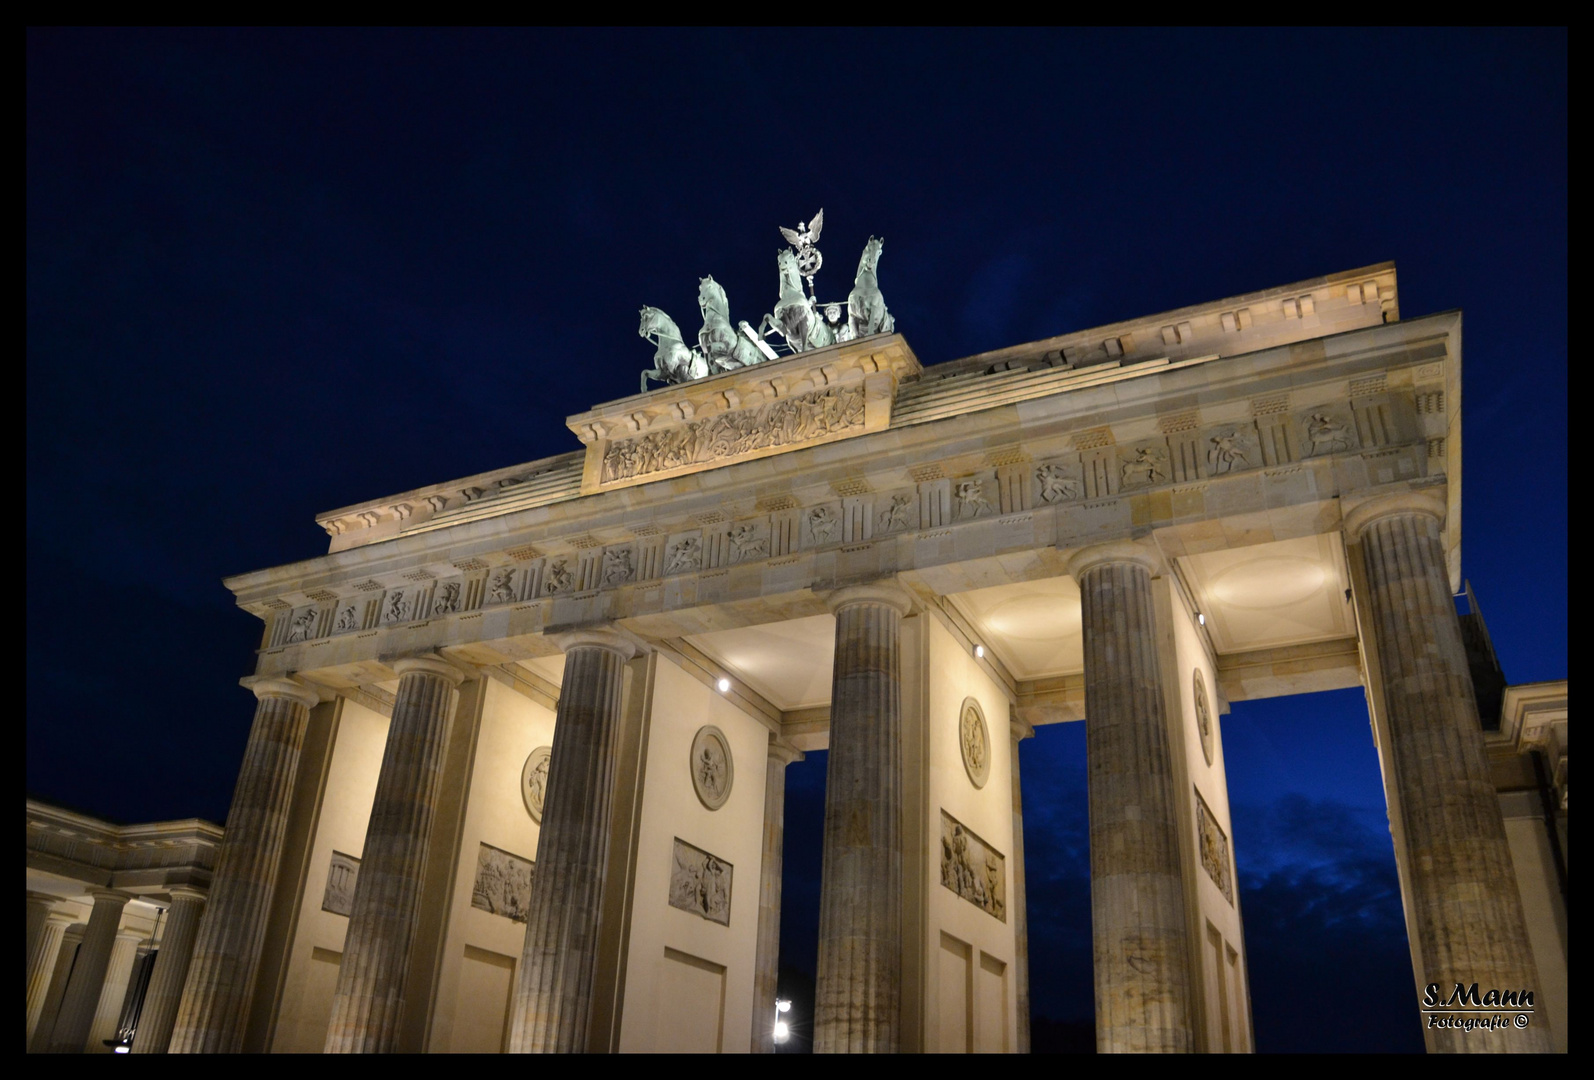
(673, 362)
(866, 308)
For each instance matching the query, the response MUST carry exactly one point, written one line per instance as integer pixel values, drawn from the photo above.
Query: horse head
(869, 261)
(655, 321)
(711, 297)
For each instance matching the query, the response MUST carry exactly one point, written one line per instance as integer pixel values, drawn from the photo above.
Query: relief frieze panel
(683, 553)
(700, 883)
(1230, 448)
(1059, 481)
(822, 525)
(896, 511)
(972, 868)
(1144, 464)
(503, 883)
(783, 423)
(1214, 848)
(1326, 429)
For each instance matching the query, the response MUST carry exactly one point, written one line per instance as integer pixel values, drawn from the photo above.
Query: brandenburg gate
(516, 775)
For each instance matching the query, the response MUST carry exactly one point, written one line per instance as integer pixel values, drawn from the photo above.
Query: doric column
(65, 960)
(41, 964)
(165, 991)
(859, 988)
(118, 983)
(1467, 912)
(766, 967)
(221, 978)
(83, 988)
(1019, 731)
(553, 989)
(1143, 995)
(38, 911)
(369, 1003)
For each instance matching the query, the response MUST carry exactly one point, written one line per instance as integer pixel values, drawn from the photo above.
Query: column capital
(188, 892)
(782, 751)
(285, 688)
(1402, 502)
(65, 918)
(886, 592)
(611, 640)
(1020, 730)
(1116, 551)
(41, 898)
(110, 896)
(428, 664)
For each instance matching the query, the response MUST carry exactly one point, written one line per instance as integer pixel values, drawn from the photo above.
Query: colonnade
(1467, 914)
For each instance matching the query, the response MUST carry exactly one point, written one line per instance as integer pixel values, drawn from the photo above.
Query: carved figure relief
(303, 628)
(700, 883)
(1203, 713)
(780, 423)
(341, 876)
(447, 601)
(684, 555)
(1057, 485)
(1214, 849)
(617, 567)
(1327, 433)
(713, 768)
(895, 514)
(503, 883)
(972, 868)
(747, 542)
(1146, 465)
(395, 609)
(560, 579)
(971, 499)
(1225, 453)
(502, 589)
(974, 741)
(822, 524)
(347, 619)
(534, 781)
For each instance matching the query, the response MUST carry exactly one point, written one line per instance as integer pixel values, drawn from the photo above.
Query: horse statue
(866, 308)
(719, 342)
(794, 315)
(673, 362)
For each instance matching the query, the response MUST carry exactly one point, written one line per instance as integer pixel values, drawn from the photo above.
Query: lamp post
(782, 1030)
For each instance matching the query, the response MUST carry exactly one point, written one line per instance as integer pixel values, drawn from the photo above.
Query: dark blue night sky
(274, 273)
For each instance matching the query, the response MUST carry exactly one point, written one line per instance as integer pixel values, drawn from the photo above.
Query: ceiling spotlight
(781, 1031)
(724, 685)
(1200, 618)
(782, 1006)
(979, 652)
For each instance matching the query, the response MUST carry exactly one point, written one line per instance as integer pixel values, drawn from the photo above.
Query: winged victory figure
(804, 238)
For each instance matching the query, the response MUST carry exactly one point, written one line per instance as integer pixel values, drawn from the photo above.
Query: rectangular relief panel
(700, 883)
(341, 876)
(503, 883)
(972, 868)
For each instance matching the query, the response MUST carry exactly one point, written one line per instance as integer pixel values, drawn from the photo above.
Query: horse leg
(653, 372)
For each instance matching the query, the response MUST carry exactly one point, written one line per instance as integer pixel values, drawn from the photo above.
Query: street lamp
(781, 1028)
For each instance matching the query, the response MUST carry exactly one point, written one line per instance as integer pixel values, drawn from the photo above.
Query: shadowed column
(65, 957)
(553, 992)
(227, 955)
(1467, 911)
(83, 989)
(766, 968)
(1142, 960)
(859, 987)
(45, 947)
(1019, 731)
(369, 1004)
(159, 1015)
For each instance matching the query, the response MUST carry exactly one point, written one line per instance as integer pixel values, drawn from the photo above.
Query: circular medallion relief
(974, 739)
(1203, 715)
(713, 771)
(534, 781)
